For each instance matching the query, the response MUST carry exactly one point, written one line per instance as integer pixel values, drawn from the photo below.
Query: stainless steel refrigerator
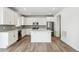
(50, 26)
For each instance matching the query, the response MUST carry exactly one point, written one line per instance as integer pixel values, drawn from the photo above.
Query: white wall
(57, 27)
(70, 26)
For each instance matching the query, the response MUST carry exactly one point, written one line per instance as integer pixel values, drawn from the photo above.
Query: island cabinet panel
(40, 36)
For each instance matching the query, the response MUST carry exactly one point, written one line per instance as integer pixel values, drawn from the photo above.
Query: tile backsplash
(6, 27)
(12, 27)
(31, 26)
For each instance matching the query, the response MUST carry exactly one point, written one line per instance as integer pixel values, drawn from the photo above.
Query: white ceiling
(38, 10)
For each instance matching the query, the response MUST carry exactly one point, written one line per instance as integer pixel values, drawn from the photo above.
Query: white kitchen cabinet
(28, 31)
(23, 32)
(18, 20)
(8, 38)
(1, 15)
(13, 37)
(12, 17)
(16, 17)
(30, 20)
(3, 39)
(50, 18)
(4, 19)
(42, 20)
(22, 21)
(8, 16)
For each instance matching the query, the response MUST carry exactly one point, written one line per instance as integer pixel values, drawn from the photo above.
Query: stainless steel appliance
(50, 26)
(35, 25)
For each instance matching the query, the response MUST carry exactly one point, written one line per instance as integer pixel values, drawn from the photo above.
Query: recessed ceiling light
(54, 8)
(24, 8)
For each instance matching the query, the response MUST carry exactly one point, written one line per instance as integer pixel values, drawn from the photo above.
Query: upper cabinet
(30, 20)
(50, 19)
(40, 20)
(8, 16)
(22, 21)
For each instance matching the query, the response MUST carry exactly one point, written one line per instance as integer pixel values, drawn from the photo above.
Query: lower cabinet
(8, 38)
(3, 39)
(12, 37)
(28, 31)
(23, 32)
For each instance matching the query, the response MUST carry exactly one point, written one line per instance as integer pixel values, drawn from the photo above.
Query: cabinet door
(28, 31)
(12, 15)
(9, 17)
(6, 16)
(42, 21)
(50, 19)
(19, 21)
(3, 39)
(12, 37)
(16, 18)
(22, 32)
(29, 21)
(22, 20)
(16, 36)
(1, 15)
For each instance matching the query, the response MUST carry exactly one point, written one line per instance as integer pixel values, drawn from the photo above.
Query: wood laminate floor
(25, 45)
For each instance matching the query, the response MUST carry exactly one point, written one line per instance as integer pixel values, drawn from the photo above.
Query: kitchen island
(40, 36)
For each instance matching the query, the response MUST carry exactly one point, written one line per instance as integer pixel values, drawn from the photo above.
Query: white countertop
(42, 30)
